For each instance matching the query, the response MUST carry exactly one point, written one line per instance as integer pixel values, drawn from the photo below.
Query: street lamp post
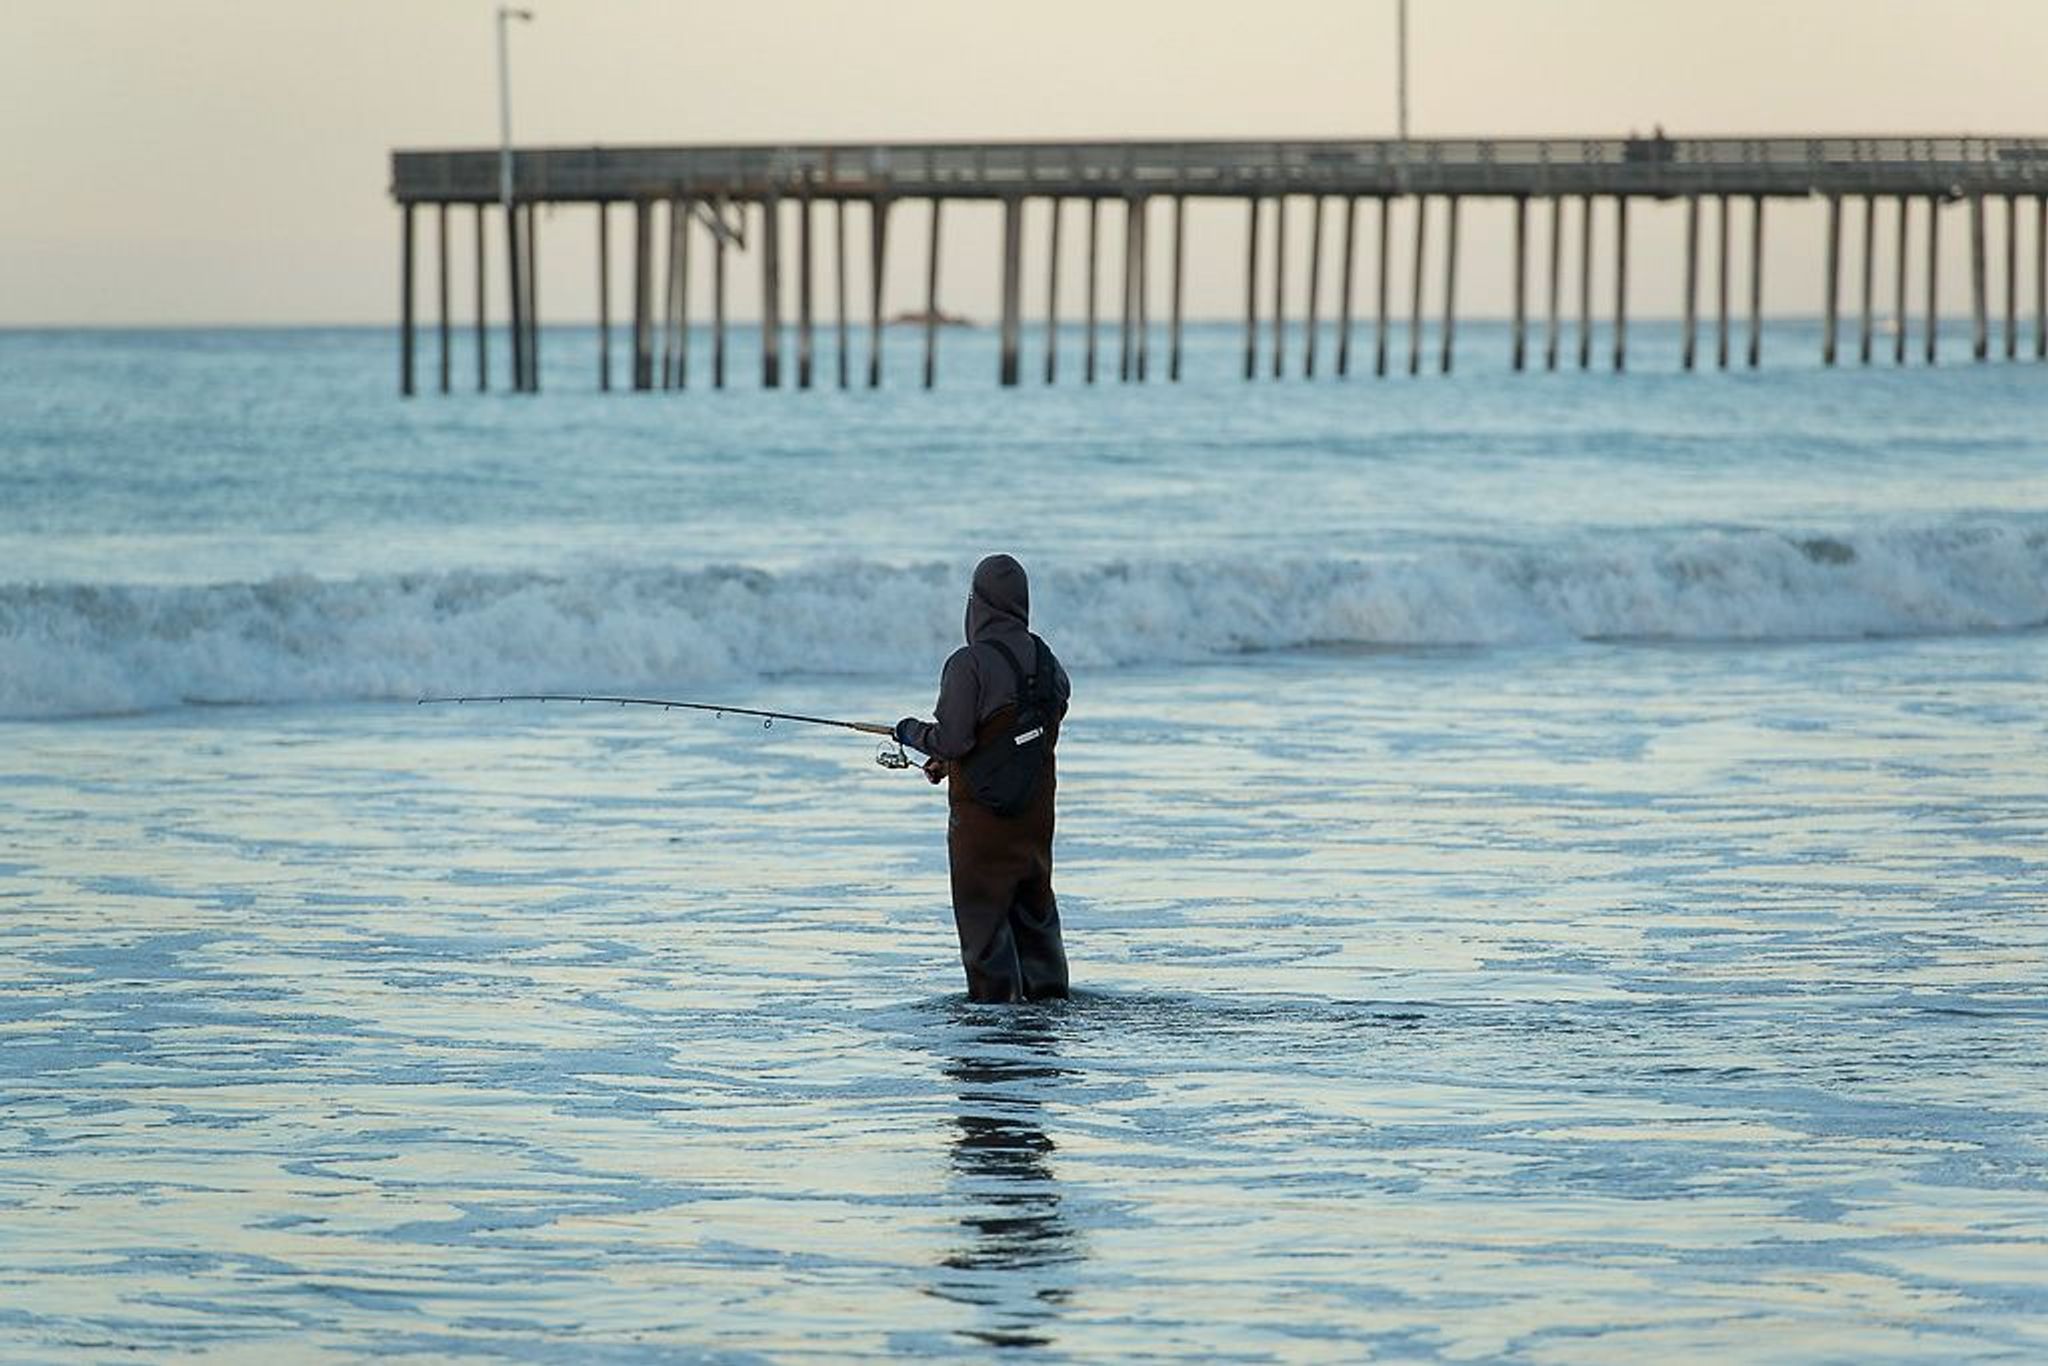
(520, 360)
(1401, 68)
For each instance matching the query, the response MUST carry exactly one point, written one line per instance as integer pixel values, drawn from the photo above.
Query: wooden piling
(643, 294)
(1933, 278)
(483, 352)
(405, 384)
(604, 297)
(1833, 280)
(1620, 283)
(685, 220)
(1013, 284)
(1756, 280)
(1415, 290)
(878, 260)
(771, 292)
(1899, 313)
(1980, 338)
(1721, 286)
(532, 272)
(1380, 283)
(1346, 279)
(718, 246)
(1279, 284)
(515, 312)
(670, 284)
(1143, 291)
(1689, 355)
(1585, 282)
(839, 287)
(1550, 328)
(2012, 280)
(1519, 346)
(1180, 215)
(1251, 288)
(1124, 295)
(1450, 282)
(1864, 322)
(1094, 272)
(931, 300)
(441, 263)
(1315, 283)
(2041, 278)
(1052, 293)
(806, 317)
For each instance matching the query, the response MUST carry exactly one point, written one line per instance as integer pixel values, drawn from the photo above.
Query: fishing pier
(776, 204)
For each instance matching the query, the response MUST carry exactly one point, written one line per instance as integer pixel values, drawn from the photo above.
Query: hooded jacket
(977, 682)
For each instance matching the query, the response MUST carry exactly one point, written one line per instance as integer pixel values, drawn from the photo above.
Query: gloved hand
(903, 731)
(935, 771)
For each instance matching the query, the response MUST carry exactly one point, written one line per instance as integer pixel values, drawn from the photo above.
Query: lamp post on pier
(522, 369)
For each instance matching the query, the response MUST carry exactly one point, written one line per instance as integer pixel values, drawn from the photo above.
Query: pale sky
(191, 161)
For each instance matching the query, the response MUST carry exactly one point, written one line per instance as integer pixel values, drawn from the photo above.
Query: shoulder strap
(1016, 669)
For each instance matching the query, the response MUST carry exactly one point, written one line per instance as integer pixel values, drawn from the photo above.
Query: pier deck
(713, 193)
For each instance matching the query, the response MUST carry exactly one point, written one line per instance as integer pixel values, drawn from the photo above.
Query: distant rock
(919, 317)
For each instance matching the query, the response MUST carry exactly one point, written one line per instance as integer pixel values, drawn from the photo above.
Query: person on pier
(1002, 697)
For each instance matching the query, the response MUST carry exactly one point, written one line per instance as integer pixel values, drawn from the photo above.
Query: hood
(1000, 603)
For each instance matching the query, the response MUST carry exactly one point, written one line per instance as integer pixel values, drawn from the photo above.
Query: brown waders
(1002, 885)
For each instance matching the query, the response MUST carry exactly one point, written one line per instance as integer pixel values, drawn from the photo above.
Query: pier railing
(1653, 165)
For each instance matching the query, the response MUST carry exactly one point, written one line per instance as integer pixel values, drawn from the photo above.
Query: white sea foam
(75, 649)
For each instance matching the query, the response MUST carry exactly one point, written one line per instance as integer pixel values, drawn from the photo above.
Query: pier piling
(1550, 328)
(1141, 297)
(931, 299)
(1315, 284)
(1379, 365)
(483, 351)
(878, 260)
(683, 220)
(530, 238)
(1279, 284)
(1052, 292)
(718, 246)
(1756, 280)
(1450, 284)
(806, 319)
(1900, 316)
(1415, 291)
(1692, 281)
(1346, 279)
(643, 289)
(2041, 278)
(1519, 347)
(1864, 318)
(1721, 286)
(1013, 258)
(1980, 334)
(839, 320)
(1180, 224)
(1585, 282)
(1094, 275)
(1933, 278)
(604, 297)
(515, 313)
(405, 386)
(446, 324)
(1620, 283)
(1251, 288)
(1832, 283)
(2012, 280)
(771, 293)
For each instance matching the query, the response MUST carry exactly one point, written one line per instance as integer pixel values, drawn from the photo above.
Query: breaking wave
(72, 649)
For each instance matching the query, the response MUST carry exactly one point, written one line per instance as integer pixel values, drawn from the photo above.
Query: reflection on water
(1015, 1232)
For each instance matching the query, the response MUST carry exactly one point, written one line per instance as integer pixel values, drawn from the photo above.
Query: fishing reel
(889, 754)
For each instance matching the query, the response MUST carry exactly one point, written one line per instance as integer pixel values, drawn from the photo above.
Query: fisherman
(1001, 699)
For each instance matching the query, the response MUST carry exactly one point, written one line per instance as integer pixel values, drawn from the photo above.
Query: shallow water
(1528, 996)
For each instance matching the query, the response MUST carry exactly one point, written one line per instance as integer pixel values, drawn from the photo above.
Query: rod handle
(871, 728)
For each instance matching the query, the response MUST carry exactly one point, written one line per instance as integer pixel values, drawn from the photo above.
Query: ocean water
(1556, 866)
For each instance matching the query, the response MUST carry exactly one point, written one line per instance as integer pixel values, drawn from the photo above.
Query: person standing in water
(1002, 697)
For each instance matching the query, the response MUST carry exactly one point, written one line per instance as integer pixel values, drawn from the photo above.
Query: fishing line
(884, 755)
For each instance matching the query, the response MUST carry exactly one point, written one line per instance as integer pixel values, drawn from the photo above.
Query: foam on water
(90, 649)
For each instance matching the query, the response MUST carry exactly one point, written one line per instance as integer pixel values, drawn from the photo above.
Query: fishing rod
(885, 756)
